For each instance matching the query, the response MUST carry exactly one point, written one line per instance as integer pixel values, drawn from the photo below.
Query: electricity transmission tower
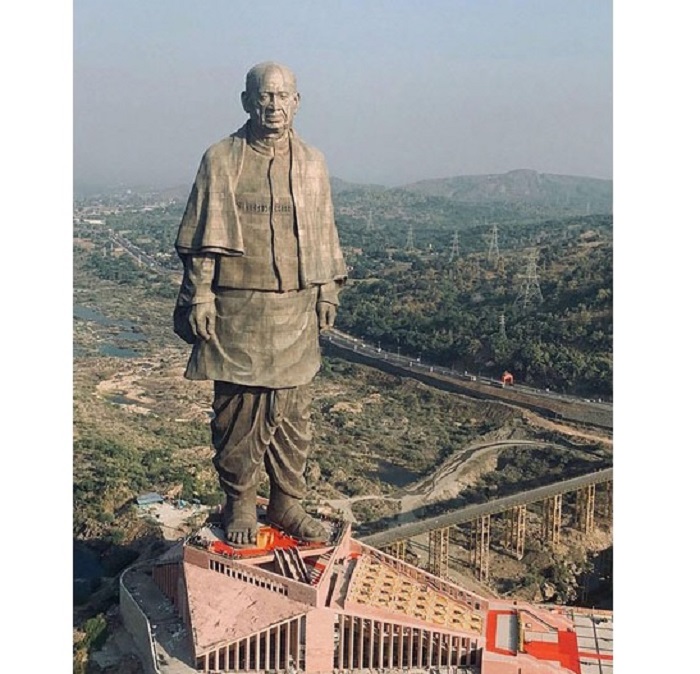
(369, 225)
(502, 326)
(409, 239)
(454, 252)
(530, 286)
(494, 253)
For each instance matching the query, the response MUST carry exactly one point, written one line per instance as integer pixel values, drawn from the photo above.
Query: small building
(150, 498)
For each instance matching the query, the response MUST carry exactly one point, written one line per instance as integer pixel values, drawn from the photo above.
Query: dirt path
(459, 471)
(344, 505)
(449, 479)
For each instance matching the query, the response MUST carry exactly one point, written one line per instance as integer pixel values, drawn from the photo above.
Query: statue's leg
(240, 435)
(285, 461)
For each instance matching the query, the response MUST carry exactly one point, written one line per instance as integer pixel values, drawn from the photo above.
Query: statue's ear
(245, 101)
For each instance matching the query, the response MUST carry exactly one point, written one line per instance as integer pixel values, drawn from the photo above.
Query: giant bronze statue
(262, 271)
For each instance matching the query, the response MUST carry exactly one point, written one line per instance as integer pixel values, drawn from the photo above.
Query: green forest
(540, 308)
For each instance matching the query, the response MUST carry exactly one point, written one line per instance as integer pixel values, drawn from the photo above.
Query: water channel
(129, 332)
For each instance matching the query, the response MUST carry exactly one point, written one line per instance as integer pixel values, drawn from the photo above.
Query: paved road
(139, 255)
(575, 409)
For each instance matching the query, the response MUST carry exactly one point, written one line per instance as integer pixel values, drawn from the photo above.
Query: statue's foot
(286, 513)
(241, 521)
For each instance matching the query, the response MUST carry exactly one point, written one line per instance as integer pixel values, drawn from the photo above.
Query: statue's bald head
(271, 99)
(257, 72)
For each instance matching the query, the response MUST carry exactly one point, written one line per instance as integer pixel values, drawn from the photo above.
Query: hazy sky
(392, 91)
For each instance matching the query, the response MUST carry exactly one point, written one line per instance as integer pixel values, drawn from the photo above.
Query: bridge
(478, 519)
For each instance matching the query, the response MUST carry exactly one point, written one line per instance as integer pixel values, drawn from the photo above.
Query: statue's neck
(269, 145)
(270, 141)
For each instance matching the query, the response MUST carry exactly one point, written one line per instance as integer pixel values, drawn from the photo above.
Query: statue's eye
(264, 98)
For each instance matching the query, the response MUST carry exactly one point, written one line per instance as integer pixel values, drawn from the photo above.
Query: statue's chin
(275, 128)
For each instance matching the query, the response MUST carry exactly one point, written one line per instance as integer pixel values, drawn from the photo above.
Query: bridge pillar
(515, 531)
(585, 508)
(551, 519)
(480, 535)
(608, 501)
(439, 552)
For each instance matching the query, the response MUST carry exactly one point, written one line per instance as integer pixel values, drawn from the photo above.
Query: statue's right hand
(203, 320)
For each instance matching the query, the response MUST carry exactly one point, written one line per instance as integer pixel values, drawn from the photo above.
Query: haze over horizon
(392, 93)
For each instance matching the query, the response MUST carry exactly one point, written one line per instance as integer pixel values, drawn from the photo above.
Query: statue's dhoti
(252, 424)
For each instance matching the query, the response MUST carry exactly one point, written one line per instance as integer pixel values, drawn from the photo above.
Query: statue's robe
(258, 238)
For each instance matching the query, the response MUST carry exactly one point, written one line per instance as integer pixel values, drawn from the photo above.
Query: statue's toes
(311, 529)
(242, 538)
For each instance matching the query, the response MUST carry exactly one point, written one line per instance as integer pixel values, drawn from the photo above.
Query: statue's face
(272, 104)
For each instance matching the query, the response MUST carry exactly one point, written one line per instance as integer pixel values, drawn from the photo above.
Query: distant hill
(518, 195)
(460, 202)
(523, 186)
(338, 186)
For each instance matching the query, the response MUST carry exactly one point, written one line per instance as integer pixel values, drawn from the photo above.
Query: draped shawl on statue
(211, 222)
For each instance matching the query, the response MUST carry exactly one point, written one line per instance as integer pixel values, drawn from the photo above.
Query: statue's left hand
(326, 315)
(203, 320)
